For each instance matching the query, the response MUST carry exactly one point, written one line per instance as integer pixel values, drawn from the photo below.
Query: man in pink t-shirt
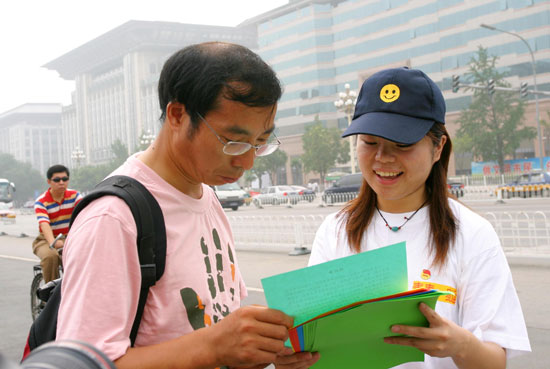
(218, 103)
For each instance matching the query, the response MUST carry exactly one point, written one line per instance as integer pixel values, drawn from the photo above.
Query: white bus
(7, 192)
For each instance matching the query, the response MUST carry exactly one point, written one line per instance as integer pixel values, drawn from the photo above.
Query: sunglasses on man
(59, 179)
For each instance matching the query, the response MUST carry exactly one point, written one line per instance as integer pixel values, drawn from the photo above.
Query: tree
(29, 183)
(493, 124)
(249, 176)
(86, 178)
(461, 147)
(270, 164)
(120, 152)
(297, 168)
(323, 148)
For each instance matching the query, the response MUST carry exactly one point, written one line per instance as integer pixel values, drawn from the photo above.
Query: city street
(26, 223)
(321, 128)
(16, 261)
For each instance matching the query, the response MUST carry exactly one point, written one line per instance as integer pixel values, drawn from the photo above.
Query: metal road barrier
(523, 232)
(293, 233)
(466, 193)
(334, 198)
(479, 192)
(504, 192)
(519, 232)
(524, 191)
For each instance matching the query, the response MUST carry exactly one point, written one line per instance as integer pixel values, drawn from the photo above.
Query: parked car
(531, 178)
(304, 194)
(230, 195)
(344, 189)
(518, 186)
(456, 188)
(276, 195)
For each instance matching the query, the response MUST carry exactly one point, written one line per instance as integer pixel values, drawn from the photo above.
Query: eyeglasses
(59, 179)
(238, 148)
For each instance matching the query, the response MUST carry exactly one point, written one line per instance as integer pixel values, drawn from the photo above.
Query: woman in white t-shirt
(403, 152)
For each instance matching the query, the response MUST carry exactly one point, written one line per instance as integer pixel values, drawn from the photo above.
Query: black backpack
(151, 244)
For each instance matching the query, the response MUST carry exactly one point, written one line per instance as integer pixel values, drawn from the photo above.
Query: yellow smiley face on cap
(389, 93)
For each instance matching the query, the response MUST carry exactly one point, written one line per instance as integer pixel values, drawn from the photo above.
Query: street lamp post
(77, 155)
(147, 138)
(346, 103)
(533, 66)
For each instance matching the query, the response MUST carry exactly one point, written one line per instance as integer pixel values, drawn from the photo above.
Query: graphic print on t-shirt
(196, 310)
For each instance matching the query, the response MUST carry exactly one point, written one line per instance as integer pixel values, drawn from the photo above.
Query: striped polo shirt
(58, 215)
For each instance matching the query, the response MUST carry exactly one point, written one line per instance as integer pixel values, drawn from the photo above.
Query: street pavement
(531, 273)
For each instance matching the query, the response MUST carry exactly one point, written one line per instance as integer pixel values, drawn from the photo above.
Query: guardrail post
(499, 196)
(299, 239)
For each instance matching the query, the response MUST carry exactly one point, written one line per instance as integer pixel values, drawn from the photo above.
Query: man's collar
(53, 197)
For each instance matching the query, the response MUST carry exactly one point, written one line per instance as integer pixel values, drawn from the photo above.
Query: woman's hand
(444, 338)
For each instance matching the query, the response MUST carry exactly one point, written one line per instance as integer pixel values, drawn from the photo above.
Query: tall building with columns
(116, 77)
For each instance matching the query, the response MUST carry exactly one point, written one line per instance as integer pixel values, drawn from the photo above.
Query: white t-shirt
(201, 283)
(486, 301)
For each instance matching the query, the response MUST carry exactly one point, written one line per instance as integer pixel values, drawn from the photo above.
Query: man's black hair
(197, 75)
(58, 168)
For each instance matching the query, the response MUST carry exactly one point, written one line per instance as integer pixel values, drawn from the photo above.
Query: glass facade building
(316, 47)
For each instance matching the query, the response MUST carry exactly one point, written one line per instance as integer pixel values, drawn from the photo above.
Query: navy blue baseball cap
(398, 104)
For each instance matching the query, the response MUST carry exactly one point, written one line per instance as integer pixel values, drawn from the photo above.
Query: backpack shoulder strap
(151, 237)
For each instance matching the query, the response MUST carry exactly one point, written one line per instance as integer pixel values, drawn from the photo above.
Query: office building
(318, 46)
(31, 133)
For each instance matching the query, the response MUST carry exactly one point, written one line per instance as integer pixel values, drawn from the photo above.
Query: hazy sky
(35, 32)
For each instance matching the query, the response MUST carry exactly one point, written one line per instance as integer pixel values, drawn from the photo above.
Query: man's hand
(59, 243)
(287, 359)
(249, 337)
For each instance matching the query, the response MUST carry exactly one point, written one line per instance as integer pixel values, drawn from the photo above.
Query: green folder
(335, 315)
(353, 338)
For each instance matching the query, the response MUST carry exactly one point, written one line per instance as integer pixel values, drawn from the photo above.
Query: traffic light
(491, 86)
(523, 90)
(456, 82)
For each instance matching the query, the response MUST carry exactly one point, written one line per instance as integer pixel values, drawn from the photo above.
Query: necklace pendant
(395, 229)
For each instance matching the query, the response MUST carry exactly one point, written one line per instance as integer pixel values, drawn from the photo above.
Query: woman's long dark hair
(443, 223)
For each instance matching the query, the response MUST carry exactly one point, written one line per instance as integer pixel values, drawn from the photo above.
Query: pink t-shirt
(201, 282)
